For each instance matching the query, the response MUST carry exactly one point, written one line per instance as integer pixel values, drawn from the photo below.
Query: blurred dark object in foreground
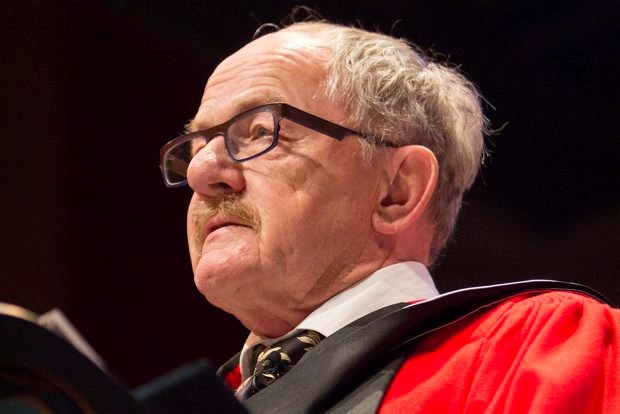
(42, 372)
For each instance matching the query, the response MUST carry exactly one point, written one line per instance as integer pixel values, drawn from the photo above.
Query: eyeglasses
(247, 135)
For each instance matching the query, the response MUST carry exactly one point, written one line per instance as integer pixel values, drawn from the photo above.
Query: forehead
(280, 67)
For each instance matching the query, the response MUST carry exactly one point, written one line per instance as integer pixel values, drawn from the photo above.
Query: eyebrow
(243, 104)
(190, 126)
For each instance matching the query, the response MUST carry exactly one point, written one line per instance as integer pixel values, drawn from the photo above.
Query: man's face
(296, 222)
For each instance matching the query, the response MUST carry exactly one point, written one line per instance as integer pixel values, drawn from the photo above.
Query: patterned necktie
(276, 361)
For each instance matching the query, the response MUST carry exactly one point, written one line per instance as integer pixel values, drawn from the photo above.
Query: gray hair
(393, 90)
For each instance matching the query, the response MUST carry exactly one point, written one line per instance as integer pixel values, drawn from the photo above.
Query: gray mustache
(229, 205)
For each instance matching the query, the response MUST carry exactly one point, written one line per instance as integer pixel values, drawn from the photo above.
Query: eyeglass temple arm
(325, 127)
(314, 122)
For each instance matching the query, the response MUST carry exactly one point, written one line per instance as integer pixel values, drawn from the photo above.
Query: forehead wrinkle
(252, 87)
(246, 101)
(285, 52)
(268, 89)
(245, 68)
(257, 76)
(254, 98)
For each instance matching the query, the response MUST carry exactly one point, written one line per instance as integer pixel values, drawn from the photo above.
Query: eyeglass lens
(246, 137)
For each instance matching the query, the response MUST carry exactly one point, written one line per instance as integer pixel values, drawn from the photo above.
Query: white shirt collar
(401, 282)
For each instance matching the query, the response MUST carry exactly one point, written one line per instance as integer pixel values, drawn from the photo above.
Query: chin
(229, 297)
(223, 283)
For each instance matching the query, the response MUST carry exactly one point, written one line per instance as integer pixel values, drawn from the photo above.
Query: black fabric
(228, 366)
(367, 396)
(339, 370)
(190, 389)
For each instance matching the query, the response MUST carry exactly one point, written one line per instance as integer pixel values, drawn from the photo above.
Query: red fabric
(233, 378)
(555, 352)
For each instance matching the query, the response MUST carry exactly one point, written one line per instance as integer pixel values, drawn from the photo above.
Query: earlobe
(407, 190)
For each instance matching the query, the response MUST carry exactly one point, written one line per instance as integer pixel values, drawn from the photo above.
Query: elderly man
(328, 166)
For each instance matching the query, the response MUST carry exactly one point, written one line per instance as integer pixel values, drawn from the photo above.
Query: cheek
(307, 222)
(194, 250)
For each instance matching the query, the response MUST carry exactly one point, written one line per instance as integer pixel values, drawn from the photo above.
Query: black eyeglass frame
(280, 111)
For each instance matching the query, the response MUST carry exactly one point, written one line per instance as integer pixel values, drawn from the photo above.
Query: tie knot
(277, 360)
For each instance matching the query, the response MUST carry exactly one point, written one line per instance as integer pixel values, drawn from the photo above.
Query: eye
(260, 132)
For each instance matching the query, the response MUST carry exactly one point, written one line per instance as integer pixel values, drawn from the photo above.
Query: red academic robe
(537, 352)
(555, 352)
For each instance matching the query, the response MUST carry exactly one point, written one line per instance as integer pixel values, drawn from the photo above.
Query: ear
(410, 184)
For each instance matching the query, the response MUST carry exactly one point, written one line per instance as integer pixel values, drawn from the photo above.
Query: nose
(212, 172)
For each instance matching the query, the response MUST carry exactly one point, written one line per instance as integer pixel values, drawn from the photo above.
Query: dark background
(91, 90)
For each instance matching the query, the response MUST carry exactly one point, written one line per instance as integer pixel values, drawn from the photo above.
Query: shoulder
(540, 319)
(550, 336)
(552, 301)
(557, 314)
(536, 352)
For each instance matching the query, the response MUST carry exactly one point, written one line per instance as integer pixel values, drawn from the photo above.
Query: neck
(266, 326)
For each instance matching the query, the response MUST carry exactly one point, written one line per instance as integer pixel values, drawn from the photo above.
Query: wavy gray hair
(390, 88)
